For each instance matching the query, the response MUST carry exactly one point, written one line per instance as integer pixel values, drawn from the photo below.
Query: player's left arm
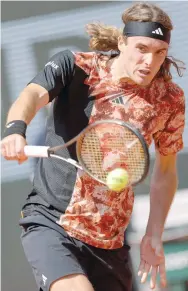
(163, 187)
(164, 180)
(164, 183)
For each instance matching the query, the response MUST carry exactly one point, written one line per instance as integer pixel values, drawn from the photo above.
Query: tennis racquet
(101, 147)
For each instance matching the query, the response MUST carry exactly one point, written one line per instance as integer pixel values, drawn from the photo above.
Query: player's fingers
(11, 150)
(141, 268)
(9, 153)
(162, 273)
(19, 148)
(153, 277)
(147, 268)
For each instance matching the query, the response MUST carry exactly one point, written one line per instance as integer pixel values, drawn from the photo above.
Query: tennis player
(73, 227)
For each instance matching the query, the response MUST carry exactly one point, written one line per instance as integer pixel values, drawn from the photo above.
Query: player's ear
(121, 42)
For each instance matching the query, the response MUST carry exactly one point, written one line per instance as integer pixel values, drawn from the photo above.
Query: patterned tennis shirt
(82, 91)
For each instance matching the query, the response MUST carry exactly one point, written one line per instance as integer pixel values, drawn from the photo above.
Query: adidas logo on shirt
(158, 31)
(118, 100)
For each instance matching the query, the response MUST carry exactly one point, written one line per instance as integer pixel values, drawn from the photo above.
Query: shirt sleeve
(170, 140)
(56, 74)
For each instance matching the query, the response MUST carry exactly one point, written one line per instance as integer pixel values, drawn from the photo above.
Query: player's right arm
(30, 100)
(42, 89)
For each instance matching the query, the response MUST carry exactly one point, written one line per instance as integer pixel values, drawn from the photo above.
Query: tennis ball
(117, 179)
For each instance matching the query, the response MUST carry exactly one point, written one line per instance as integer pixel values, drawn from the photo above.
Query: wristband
(15, 127)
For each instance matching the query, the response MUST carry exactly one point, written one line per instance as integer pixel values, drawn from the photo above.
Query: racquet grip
(36, 151)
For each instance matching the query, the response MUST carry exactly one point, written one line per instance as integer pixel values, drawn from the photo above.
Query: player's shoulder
(168, 90)
(74, 56)
(90, 60)
(61, 59)
(85, 60)
(174, 92)
(85, 55)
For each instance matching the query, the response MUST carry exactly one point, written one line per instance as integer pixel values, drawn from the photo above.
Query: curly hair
(105, 38)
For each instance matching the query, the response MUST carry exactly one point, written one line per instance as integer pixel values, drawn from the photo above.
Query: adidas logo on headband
(149, 29)
(158, 31)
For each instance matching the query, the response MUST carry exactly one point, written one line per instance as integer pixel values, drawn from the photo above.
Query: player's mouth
(144, 73)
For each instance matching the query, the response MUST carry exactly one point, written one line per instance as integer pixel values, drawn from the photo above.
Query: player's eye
(161, 53)
(142, 49)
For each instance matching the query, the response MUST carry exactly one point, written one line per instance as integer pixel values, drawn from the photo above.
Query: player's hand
(152, 259)
(12, 148)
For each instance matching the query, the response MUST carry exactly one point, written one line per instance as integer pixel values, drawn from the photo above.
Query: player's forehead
(148, 42)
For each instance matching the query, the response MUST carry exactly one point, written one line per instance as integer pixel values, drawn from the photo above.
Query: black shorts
(53, 254)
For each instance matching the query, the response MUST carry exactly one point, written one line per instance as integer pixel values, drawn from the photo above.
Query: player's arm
(163, 187)
(164, 183)
(22, 111)
(164, 179)
(30, 100)
(43, 88)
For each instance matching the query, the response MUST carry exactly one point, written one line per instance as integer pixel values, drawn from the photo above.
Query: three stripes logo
(158, 31)
(118, 100)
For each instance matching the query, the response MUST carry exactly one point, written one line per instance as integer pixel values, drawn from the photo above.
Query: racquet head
(109, 144)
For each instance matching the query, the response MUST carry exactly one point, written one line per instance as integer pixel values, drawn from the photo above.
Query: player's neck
(118, 71)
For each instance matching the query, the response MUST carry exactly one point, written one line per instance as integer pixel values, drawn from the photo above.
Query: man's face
(141, 58)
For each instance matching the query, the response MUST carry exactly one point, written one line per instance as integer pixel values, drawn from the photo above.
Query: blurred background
(31, 33)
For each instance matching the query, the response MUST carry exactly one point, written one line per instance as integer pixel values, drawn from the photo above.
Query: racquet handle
(36, 151)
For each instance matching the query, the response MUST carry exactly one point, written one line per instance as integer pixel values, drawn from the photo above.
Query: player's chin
(143, 81)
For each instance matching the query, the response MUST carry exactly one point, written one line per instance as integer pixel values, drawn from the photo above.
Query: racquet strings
(108, 146)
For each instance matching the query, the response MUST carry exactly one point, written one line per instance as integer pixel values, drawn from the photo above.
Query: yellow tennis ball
(117, 179)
